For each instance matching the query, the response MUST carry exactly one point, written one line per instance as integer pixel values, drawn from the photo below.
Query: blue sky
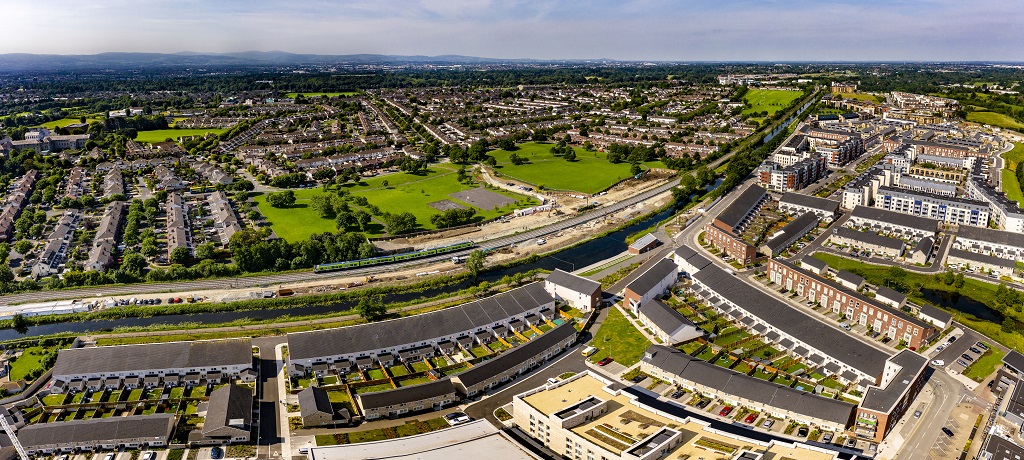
(919, 30)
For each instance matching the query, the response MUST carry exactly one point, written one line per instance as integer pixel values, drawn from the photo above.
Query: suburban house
(651, 283)
(668, 325)
(228, 417)
(577, 291)
(132, 432)
(316, 409)
(434, 395)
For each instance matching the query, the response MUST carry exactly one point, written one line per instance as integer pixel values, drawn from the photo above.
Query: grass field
(340, 94)
(65, 121)
(770, 100)
(160, 135)
(1011, 186)
(985, 365)
(405, 192)
(994, 119)
(863, 97)
(27, 362)
(590, 173)
(618, 339)
(978, 290)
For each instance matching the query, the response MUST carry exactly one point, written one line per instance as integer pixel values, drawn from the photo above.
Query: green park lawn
(405, 192)
(994, 119)
(65, 121)
(618, 339)
(161, 135)
(29, 361)
(862, 97)
(985, 365)
(770, 100)
(337, 94)
(1011, 186)
(591, 172)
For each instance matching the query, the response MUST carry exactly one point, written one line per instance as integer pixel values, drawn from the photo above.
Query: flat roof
(1004, 449)
(151, 356)
(476, 439)
(849, 350)
(884, 399)
(795, 229)
(1015, 360)
(417, 328)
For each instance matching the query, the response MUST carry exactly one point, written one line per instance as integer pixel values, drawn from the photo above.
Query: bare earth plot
(482, 198)
(445, 205)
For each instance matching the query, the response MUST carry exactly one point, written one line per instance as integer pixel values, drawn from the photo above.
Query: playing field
(863, 97)
(770, 100)
(590, 173)
(161, 135)
(405, 192)
(339, 94)
(1011, 186)
(64, 122)
(994, 119)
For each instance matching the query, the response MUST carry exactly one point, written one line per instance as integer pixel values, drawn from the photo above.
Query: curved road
(225, 283)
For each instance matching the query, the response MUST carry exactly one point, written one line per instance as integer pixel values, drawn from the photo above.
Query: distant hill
(21, 62)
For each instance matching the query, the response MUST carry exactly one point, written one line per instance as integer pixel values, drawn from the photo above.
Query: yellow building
(583, 418)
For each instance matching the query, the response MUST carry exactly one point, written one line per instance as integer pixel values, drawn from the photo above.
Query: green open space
(863, 97)
(410, 428)
(591, 172)
(977, 290)
(994, 119)
(327, 94)
(985, 365)
(1011, 186)
(420, 366)
(161, 135)
(619, 340)
(398, 371)
(29, 361)
(769, 100)
(404, 192)
(63, 122)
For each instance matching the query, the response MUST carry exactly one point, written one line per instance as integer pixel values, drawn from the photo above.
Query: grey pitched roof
(516, 356)
(793, 322)
(810, 201)
(741, 206)
(940, 315)
(896, 218)
(734, 383)
(156, 427)
(1015, 360)
(925, 245)
(871, 238)
(890, 293)
(313, 400)
(227, 404)
(418, 328)
(670, 321)
(814, 263)
(981, 258)
(692, 257)
(643, 241)
(170, 355)
(650, 278)
(850, 277)
(407, 394)
(793, 231)
(573, 282)
(883, 399)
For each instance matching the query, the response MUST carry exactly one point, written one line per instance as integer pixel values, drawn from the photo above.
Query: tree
(23, 247)
(475, 263)
(959, 283)
(133, 264)
(281, 199)
(6, 275)
(516, 159)
(19, 323)
(362, 219)
(372, 308)
(180, 255)
(204, 251)
(395, 224)
(570, 155)
(635, 170)
(384, 183)
(323, 206)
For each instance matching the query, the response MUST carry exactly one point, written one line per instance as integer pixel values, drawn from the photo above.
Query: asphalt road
(269, 439)
(254, 281)
(947, 394)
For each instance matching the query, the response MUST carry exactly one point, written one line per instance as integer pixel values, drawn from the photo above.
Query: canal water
(962, 303)
(577, 257)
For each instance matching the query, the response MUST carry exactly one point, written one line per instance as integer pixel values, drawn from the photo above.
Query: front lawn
(618, 339)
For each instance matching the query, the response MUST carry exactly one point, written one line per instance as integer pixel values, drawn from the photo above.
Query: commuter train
(336, 266)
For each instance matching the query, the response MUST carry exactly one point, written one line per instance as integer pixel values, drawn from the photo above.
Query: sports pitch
(591, 172)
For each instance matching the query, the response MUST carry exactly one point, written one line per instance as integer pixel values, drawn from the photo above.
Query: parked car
(456, 418)
(826, 437)
(750, 418)
(982, 345)
(768, 423)
(638, 378)
(975, 350)
(552, 381)
(725, 411)
(947, 431)
(872, 447)
(938, 363)
(604, 362)
(967, 357)
(802, 432)
(703, 403)
(951, 339)
(940, 348)
(851, 443)
(678, 394)
(109, 456)
(148, 455)
(962, 362)
(917, 414)
(216, 453)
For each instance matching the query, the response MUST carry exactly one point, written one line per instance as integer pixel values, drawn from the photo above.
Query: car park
(605, 361)
(725, 411)
(768, 423)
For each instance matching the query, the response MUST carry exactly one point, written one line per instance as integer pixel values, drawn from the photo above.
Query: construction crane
(14, 439)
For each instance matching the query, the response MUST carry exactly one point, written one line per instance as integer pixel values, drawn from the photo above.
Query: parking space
(960, 353)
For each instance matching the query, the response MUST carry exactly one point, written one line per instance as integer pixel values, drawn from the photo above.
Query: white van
(589, 351)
